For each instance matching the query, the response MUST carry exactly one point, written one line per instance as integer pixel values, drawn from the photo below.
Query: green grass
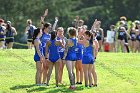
(117, 73)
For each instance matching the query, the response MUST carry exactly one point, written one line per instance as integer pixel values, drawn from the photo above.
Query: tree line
(108, 11)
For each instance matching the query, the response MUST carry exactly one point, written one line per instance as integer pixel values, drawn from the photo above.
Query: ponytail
(90, 35)
(36, 32)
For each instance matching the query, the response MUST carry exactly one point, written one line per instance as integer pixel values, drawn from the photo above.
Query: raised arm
(43, 17)
(94, 24)
(55, 23)
(77, 21)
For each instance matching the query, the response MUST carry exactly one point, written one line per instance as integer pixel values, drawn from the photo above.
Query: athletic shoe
(56, 86)
(77, 82)
(94, 85)
(80, 83)
(72, 87)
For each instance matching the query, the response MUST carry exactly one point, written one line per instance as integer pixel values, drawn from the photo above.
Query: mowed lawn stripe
(117, 73)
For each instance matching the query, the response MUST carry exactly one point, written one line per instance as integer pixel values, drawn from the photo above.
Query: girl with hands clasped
(52, 48)
(88, 57)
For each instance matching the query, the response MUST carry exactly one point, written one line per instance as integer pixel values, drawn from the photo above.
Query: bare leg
(10, 45)
(38, 72)
(94, 75)
(139, 47)
(90, 66)
(122, 46)
(61, 67)
(77, 71)
(2, 45)
(81, 71)
(111, 47)
(136, 47)
(45, 70)
(29, 45)
(49, 72)
(100, 45)
(57, 71)
(85, 69)
(130, 44)
(118, 45)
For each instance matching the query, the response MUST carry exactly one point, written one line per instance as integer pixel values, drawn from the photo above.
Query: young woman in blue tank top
(71, 55)
(96, 47)
(60, 37)
(45, 37)
(38, 56)
(88, 57)
(52, 48)
(79, 54)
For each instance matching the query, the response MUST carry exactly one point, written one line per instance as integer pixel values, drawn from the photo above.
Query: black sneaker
(94, 85)
(77, 82)
(80, 83)
(56, 86)
(90, 86)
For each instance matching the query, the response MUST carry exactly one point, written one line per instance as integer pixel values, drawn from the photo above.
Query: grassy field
(117, 73)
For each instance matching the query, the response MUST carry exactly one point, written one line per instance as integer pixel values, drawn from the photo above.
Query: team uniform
(9, 35)
(138, 38)
(61, 50)
(133, 36)
(2, 37)
(30, 30)
(45, 37)
(36, 56)
(88, 57)
(53, 51)
(99, 35)
(79, 51)
(71, 54)
(121, 35)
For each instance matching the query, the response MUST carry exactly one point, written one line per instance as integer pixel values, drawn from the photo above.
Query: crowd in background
(124, 38)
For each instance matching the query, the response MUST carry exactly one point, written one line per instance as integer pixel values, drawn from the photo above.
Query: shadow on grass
(37, 89)
(21, 87)
(29, 88)
(47, 89)
(65, 89)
